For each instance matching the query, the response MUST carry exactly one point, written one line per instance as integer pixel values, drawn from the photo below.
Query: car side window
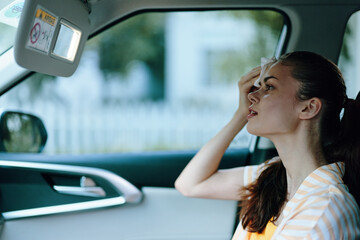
(153, 82)
(350, 56)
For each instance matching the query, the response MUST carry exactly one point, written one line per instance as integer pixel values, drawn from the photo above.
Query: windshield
(10, 11)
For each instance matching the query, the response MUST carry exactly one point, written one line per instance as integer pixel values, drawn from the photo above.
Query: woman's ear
(310, 108)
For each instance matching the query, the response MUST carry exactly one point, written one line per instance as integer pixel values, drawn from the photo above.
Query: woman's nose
(253, 96)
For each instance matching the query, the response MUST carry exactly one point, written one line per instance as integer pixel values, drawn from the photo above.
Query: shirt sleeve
(251, 173)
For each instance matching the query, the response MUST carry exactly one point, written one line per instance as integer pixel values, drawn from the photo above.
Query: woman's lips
(252, 113)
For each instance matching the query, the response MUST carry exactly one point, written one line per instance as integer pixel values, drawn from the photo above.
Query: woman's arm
(201, 177)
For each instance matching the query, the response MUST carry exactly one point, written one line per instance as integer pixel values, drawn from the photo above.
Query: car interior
(104, 102)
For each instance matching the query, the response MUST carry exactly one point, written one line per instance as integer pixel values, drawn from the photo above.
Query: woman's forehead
(264, 72)
(278, 70)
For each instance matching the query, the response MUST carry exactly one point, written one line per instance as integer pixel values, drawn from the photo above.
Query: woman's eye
(268, 87)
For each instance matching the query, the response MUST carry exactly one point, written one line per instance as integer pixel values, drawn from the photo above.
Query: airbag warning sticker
(42, 30)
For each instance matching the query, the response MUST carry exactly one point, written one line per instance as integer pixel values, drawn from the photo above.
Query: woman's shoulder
(333, 201)
(340, 200)
(326, 195)
(331, 212)
(326, 184)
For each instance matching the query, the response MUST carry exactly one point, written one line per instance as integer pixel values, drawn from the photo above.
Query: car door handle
(80, 191)
(124, 190)
(87, 188)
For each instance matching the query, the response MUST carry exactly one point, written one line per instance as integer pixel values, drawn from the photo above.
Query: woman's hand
(246, 85)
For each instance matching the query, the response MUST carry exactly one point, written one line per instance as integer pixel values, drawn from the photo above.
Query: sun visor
(51, 36)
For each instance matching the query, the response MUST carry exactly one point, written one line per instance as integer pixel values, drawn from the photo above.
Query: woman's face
(274, 109)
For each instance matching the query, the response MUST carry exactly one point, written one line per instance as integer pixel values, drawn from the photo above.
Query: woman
(294, 101)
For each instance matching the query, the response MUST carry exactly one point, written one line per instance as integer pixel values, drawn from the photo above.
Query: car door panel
(189, 218)
(162, 213)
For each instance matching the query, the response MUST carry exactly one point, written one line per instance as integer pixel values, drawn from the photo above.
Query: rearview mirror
(21, 132)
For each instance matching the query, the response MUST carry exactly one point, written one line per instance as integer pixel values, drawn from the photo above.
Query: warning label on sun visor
(42, 31)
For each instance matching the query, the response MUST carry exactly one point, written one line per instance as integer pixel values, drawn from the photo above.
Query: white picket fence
(131, 128)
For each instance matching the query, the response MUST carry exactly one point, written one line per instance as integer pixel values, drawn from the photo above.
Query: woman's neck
(300, 158)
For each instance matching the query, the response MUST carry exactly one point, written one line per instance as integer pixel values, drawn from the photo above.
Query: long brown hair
(340, 138)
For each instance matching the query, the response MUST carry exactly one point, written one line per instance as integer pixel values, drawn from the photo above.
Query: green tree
(139, 38)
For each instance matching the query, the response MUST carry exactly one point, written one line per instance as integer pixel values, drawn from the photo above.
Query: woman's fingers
(246, 85)
(253, 74)
(247, 81)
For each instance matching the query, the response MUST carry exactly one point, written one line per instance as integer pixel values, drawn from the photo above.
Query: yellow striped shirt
(322, 207)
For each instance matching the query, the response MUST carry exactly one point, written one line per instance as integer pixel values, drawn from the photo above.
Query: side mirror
(21, 132)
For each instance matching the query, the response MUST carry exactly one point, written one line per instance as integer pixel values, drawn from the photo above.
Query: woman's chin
(254, 130)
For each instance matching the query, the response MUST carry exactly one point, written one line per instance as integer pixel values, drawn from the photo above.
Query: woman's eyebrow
(267, 78)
